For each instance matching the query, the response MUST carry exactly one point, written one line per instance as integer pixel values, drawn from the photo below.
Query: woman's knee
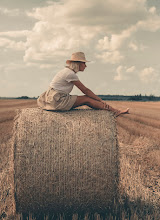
(81, 100)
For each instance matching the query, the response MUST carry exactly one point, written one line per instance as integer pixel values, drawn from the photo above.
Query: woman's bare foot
(126, 111)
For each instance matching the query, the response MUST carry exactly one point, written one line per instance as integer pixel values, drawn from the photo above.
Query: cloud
(41, 66)
(135, 47)
(123, 73)
(112, 42)
(102, 28)
(92, 12)
(13, 40)
(13, 66)
(15, 34)
(56, 41)
(115, 41)
(151, 23)
(112, 57)
(9, 12)
(130, 69)
(69, 26)
(152, 10)
(148, 75)
(10, 44)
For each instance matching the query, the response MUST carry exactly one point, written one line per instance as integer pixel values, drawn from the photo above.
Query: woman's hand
(90, 94)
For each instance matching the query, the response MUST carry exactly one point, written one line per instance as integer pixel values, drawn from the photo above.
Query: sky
(121, 39)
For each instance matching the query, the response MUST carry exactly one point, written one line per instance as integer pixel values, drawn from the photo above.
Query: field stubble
(139, 143)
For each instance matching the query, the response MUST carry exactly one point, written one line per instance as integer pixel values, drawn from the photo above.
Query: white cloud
(134, 46)
(130, 69)
(112, 57)
(67, 26)
(55, 41)
(11, 40)
(14, 66)
(119, 75)
(41, 66)
(9, 12)
(15, 34)
(123, 73)
(151, 23)
(112, 14)
(148, 75)
(152, 10)
(10, 44)
(112, 42)
(115, 41)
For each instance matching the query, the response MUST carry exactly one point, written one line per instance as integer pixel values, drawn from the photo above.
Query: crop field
(139, 150)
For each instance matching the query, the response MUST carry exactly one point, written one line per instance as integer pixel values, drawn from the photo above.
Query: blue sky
(121, 38)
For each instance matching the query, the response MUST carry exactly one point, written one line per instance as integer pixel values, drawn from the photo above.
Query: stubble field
(139, 147)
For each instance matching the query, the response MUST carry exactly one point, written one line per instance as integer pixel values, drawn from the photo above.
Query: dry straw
(65, 160)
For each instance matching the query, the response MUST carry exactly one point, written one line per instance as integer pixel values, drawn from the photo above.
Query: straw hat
(78, 56)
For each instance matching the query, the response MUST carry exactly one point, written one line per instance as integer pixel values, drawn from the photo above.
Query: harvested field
(138, 135)
(7, 114)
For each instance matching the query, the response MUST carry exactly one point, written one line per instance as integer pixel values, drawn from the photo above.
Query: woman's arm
(86, 91)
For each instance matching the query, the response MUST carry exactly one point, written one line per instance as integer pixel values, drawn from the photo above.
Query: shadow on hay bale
(65, 161)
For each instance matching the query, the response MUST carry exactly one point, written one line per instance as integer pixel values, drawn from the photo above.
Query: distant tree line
(130, 98)
(25, 97)
(108, 97)
(144, 98)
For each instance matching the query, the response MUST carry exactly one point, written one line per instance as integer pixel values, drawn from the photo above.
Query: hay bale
(65, 160)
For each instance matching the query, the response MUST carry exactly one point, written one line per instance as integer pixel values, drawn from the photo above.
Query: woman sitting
(57, 97)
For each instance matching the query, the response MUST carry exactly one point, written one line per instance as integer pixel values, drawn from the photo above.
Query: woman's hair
(74, 65)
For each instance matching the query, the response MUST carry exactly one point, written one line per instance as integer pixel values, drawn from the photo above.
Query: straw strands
(65, 160)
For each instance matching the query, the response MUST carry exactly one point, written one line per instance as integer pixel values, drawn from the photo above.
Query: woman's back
(63, 80)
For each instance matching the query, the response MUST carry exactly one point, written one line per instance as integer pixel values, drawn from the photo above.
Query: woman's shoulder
(66, 71)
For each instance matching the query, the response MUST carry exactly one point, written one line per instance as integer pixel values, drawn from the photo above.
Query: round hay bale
(65, 160)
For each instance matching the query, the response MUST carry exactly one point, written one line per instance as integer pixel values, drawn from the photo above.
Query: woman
(57, 97)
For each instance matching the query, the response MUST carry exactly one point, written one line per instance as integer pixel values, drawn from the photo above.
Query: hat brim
(84, 61)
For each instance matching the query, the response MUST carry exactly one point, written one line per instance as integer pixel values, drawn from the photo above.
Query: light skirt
(56, 100)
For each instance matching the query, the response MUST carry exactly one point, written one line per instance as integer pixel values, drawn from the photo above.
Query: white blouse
(62, 80)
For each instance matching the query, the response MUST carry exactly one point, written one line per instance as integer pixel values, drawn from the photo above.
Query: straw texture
(65, 160)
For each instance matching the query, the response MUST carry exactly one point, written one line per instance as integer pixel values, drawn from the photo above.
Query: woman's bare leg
(85, 100)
